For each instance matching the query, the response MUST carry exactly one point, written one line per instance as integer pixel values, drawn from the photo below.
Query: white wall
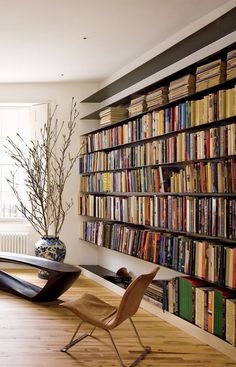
(61, 94)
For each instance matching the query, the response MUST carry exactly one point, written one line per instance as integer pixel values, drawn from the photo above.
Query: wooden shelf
(167, 165)
(98, 270)
(223, 122)
(101, 272)
(192, 194)
(166, 230)
(95, 115)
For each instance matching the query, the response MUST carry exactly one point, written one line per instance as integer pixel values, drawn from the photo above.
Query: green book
(187, 287)
(219, 311)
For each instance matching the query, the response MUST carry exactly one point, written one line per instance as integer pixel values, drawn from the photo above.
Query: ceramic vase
(51, 248)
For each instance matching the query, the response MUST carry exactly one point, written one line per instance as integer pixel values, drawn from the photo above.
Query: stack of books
(210, 74)
(182, 87)
(231, 65)
(157, 97)
(157, 293)
(112, 114)
(137, 105)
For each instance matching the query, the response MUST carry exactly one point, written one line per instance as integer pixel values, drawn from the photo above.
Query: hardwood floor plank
(31, 335)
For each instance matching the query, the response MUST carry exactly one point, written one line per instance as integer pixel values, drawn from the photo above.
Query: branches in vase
(47, 164)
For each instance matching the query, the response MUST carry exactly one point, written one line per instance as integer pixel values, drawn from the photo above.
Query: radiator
(17, 242)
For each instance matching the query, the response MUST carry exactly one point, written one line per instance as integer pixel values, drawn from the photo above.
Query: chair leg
(115, 349)
(146, 348)
(74, 341)
(140, 357)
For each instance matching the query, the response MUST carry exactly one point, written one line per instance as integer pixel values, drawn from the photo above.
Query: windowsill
(12, 219)
(15, 224)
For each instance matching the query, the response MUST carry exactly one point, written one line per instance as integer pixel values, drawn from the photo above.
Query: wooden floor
(31, 335)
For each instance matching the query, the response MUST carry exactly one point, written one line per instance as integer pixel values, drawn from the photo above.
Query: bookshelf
(160, 186)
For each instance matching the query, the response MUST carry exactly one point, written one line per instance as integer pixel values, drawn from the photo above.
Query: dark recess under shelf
(100, 271)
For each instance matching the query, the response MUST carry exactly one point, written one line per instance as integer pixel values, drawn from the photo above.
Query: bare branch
(47, 164)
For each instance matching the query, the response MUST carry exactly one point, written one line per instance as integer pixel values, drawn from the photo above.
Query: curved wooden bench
(61, 277)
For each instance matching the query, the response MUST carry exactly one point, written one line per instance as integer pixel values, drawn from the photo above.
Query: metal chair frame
(74, 340)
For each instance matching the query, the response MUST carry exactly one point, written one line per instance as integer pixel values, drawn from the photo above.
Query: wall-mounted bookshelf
(160, 186)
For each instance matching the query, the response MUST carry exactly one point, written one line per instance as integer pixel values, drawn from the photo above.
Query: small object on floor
(123, 272)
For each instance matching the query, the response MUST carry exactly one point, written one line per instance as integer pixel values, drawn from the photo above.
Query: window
(13, 120)
(26, 119)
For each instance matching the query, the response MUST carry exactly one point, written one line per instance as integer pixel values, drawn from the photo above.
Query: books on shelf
(203, 310)
(215, 142)
(205, 216)
(137, 105)
(203, 177)
(219, 309)
(231, 65)
(145, 179)
(210, 74)
(187, 297)
(210, 108)
(112, 114)
(211, 308)
(181, 87)
(182, 158)
(157, 293)
(200, 258)
(231, 321)
(157, 97)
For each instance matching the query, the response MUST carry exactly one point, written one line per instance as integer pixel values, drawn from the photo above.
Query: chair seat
(93, 310)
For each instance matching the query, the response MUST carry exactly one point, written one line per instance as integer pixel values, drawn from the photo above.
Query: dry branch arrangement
(47, 165)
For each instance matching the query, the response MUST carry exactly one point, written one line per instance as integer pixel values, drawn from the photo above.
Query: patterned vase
(51, 248)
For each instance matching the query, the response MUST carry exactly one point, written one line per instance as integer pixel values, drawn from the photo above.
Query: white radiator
(17, 242)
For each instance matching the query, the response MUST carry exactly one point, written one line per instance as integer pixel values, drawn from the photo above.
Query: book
(187, 287)
(201, 307)
(230, 334)
(219, 311)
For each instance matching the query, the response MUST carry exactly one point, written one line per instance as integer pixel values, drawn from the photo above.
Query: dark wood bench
(60, 277)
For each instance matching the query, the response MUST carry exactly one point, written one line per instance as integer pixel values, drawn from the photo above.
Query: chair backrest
(132, 297)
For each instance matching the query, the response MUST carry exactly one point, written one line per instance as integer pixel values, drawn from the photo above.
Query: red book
(156, 242)
(233, 175)
(207, 143)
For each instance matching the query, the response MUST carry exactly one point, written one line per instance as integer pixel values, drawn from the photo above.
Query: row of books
(209, 307)
(207, 75)
(138, 104)
(209, 143)
(213, 107)
(203, 177)
(212, 216)
(207, 260)
(138, 180)
(231, 65)
(156, 293)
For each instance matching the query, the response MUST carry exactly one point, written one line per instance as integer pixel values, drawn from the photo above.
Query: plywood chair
(98, 313)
